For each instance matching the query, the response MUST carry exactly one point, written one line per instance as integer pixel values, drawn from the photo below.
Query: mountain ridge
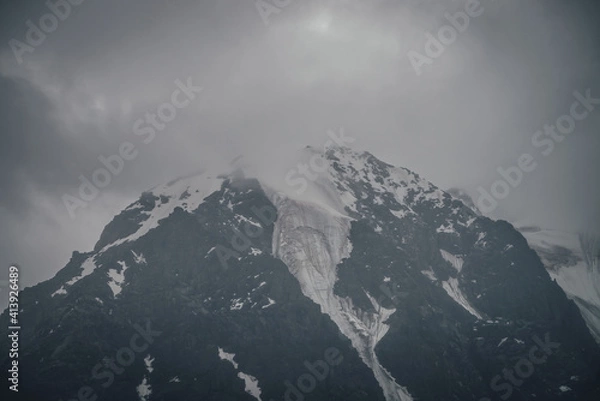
(406, 283)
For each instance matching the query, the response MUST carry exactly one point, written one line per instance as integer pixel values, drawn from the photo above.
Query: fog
(277, 78)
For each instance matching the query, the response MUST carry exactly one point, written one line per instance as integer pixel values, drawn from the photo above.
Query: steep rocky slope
(573, 260)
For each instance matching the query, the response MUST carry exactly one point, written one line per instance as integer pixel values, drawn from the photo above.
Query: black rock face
(200, 308)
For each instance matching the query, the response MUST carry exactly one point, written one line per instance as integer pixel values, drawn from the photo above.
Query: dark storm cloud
(33, 151)
(269, 88)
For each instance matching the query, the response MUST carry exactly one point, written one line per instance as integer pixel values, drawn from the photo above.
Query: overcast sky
(277, 80)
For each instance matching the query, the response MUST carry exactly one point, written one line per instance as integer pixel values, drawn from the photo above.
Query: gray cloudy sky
(270, 88)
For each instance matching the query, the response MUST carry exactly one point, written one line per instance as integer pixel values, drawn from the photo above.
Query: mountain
(354, 280)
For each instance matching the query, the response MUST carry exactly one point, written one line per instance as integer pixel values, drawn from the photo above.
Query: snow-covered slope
(187, 193)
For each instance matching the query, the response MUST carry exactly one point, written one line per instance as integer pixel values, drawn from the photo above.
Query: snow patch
(455, 261)
(87, 268)
(117, 279)
(144, 390)
(225, 356)
(480, 237)
(148, 361)
(236, 304)
(255, 252)
(271, 302)
(430, 274)
(399, 214)
(251, 384)
(447, 228)
(139, 259)
(243, 219)
(452, 288)
(60, 291)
